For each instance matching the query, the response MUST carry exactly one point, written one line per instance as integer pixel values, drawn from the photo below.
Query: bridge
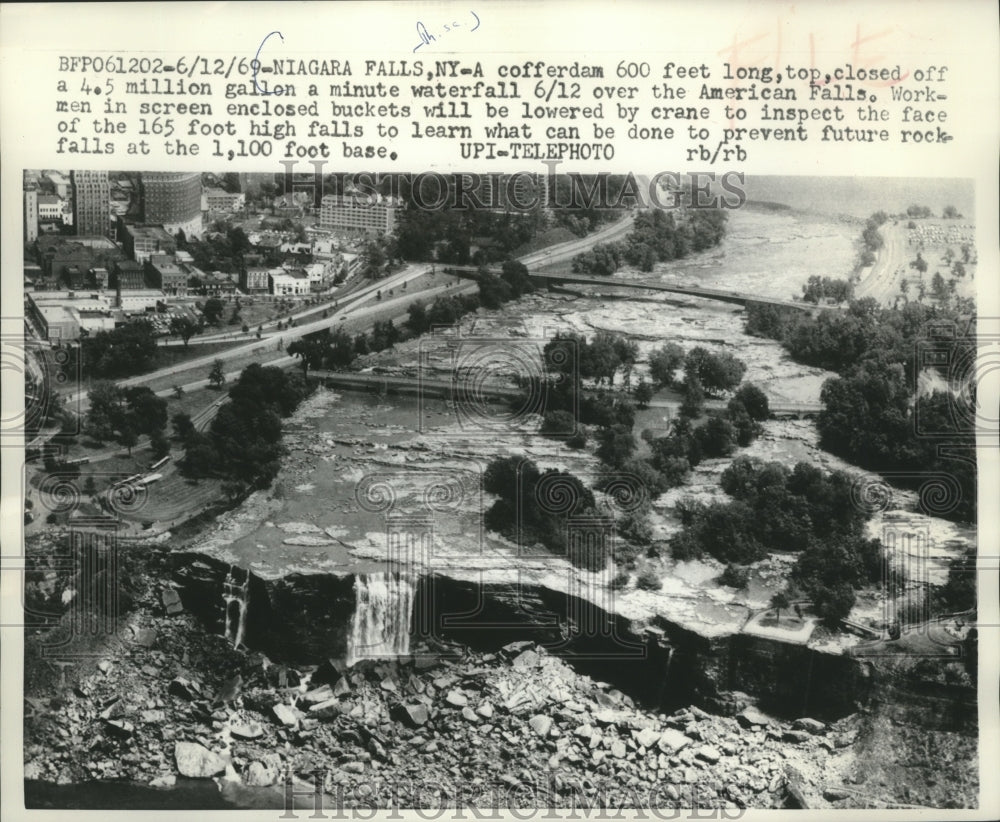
(449, 389)
(720, 295)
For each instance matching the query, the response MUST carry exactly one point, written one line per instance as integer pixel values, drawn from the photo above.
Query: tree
(664, 362)
(693, 403)
(217, 377)
(833, 602)
(212, 310)
(106, 412)
(717, 437)
(558, 424)
(128, 437)
(714, 372)
(920, 264)
(159, 444)
(515, 274)
(617, 444)
(779, 602)
(493, 290)
(184, 429)
(643, 394)
(938, 286)
(417, 320)
(184, 327)
(312, 351)
(754, 401)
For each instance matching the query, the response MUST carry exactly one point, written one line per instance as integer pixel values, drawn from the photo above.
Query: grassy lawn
(552, 236)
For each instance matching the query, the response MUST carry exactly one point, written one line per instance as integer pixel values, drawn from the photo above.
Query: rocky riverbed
(159, 703)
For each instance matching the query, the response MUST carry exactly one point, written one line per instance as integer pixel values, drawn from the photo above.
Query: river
(357, 463)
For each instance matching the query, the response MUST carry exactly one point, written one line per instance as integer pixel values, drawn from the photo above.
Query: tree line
(874, 413)
(656, 236)
(243, 443)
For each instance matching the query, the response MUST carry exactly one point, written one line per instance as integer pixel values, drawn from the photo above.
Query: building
(129, 276)
(50, 207)
(217, 199)
(288, 284)
(163, 271)
(254, 280)
(65, 316)
(217, 284)
(99, 277)
(30, 215)
(345, 212)
(172, 200)
(57, 253)
(59, 182)
(143, 241)
(139, 300)
(91, 202)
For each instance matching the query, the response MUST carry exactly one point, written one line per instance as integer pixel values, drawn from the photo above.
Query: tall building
(173, 200)
(91, 202)
(346, 212)
(30, 215)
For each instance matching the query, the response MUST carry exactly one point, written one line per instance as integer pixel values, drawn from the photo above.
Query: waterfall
(383, 615)
(235, 592)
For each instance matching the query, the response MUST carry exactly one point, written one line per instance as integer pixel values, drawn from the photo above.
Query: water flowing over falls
(383, 616)
(236, 602)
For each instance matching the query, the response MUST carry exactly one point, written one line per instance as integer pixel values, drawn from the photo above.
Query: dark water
(187, 794)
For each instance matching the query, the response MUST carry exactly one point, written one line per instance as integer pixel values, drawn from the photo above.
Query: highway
(358, 307)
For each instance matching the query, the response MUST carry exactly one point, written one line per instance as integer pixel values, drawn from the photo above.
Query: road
(357, 308)
(883, 281)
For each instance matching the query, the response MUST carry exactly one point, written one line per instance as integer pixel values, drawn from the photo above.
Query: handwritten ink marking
(256, 63)
(426, 37)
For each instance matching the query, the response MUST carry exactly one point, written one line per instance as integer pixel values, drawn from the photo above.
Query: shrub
(649, 580)
(620, 580)
(735, 576)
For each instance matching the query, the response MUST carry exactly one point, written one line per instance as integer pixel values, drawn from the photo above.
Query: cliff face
(307, 618)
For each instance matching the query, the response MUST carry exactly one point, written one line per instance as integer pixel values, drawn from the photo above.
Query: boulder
(197, 761)
(708, 753)
(752, 718)
(456, 698)
(285, 714)
(171, 601)
(326, 710)
(485, 710)
(647, 737)
(263, 772)
(796, 737)
(541, 724)
(316, 695)
(813, 726)
(526, 659)
(182, 688)
(414, 715)
(247, 729)
(120, 728)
